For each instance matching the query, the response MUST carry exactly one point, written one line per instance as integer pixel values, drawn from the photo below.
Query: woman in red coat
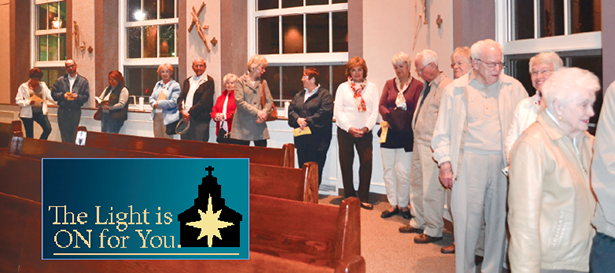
(225, 106)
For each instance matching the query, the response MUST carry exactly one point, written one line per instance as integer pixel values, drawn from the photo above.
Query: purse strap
(263, 98)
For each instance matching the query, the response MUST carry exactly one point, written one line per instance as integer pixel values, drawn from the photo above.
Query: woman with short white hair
(541, 67)
(550, 201)
(164, 102)
(397, 103)
(461, 61)
(224, 109)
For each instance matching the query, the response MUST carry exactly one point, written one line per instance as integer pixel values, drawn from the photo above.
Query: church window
(148, 39)
(297, 34)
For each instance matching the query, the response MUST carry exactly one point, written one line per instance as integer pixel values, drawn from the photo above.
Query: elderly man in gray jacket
(476, 111)
(603, 184)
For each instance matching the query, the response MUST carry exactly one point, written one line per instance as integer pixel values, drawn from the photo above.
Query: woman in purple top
(397, 103)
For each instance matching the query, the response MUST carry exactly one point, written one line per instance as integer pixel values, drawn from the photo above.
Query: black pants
(305, 155)
(199, 131)
(346, 143)
(257, 143)
(68, 120)
(42, 120)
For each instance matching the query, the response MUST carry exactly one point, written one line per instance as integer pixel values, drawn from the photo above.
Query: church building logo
(209, 222)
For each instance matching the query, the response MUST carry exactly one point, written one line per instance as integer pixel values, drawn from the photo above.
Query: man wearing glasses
(71, 91)
(476, 111)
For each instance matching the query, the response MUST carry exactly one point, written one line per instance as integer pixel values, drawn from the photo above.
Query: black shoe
(406, 214)
(425, 239)
(410, 229)
(367, 206)
(387, 213)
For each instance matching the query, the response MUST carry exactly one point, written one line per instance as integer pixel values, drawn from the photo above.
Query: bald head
(198, 66)
(71, 67)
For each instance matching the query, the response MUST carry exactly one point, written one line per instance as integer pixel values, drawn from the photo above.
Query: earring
(560, 118)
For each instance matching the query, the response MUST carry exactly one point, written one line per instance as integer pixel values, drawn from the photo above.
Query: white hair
(547, 58)
(427, 57)
(566, 84)
(481, 46)
(400, 58)
(228, 77)
(462, 51)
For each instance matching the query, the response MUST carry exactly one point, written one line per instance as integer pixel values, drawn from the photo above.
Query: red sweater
(230, 108)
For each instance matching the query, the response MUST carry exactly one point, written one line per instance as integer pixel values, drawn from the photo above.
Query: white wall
(195, 46)
(5, 49)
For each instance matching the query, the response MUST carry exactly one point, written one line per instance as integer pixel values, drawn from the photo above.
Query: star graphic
(209, 224)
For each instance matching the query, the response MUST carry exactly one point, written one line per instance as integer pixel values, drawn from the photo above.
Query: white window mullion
(567, 17)
(536, 19)
(330, 32)
(304, 32)
(280, 35)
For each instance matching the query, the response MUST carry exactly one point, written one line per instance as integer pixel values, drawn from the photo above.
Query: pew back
(286, 236)
(21, 170)
(284, 157)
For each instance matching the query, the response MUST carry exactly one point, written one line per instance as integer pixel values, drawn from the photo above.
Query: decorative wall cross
(199, 28)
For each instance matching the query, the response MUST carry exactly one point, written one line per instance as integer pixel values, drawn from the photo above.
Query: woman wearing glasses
(541, 67)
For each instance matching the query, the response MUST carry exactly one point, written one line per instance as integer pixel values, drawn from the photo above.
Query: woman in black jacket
(312, 108)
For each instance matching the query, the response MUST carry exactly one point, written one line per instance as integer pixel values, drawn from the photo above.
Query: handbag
(170, 128)
(98, 114)
(223, 136)
(274, 112)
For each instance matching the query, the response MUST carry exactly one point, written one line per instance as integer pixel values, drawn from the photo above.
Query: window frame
(296, 58)
(35, 33)
(150, 62)
(123, 46)
(567, 42)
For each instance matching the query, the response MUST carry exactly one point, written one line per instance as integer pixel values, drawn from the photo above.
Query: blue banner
(145, 209)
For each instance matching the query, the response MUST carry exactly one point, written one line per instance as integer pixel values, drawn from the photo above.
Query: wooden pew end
(351, 265)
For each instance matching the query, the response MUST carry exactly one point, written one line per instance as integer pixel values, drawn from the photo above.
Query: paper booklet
(299, 132)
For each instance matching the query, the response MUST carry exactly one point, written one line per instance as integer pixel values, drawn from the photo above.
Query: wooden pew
(281, 182)
(286, 236)
(284, 157)
(7, 130)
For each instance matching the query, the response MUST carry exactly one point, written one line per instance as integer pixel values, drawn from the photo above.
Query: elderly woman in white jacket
(541, 67)
(550, 201)
(33, 97)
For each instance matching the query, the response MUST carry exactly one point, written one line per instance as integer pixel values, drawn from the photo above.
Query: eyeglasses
(458, 64)
(542, 71)
(305, 77)
(420, 71)
(492, 65)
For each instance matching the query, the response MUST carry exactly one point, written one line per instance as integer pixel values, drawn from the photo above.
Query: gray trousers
(479, 194)
(426, 192)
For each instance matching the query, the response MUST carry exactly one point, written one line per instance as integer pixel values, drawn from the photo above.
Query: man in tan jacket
(426, 192)
(603, 184)
(475, 113)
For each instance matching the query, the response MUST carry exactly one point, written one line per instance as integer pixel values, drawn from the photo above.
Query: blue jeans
(42, 120)
(109, 125)
(602, 256)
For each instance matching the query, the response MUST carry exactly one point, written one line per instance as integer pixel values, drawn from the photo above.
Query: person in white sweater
(33, 97)
(541, 67)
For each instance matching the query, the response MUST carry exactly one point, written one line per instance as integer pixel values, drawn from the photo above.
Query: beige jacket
(248, 100)
(603, 166)
(449, 134)
(424, 119)
(550, 203)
